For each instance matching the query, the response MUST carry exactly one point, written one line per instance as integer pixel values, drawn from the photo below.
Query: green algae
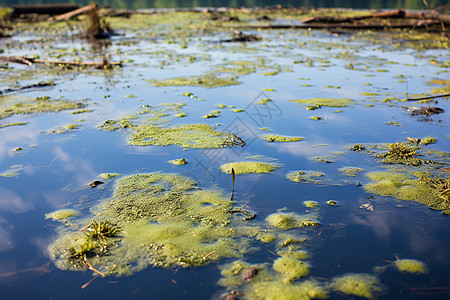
(81, 111)
(63, 129)
(292, 268)
(429, 191)
(343, 102)
(246, 167)
(316, 118)
(199, 136)
(279, 138)
(279, 290)
(332, 203)
(401, 153)
(306, 176)
(178, 162)
(296, 254)
(310, 204)
(61, 214)
(361, 285)
(13, 105)
(351, 171)
(288, 221)
(206, 81)
(164, 221)
(265, 237)
(428, 140)
(411, 266)
(264, 101)
(13, 124)
(107, 176)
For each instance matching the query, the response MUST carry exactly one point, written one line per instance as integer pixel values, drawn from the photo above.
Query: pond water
(45, 168)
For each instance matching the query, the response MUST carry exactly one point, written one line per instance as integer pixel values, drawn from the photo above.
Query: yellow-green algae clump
(164, 221)
(288, 221)
(433, 192)
(11, 105)
(325, 102)
(351, 171)
(278, 290)
(245, 167)
(178, 162)
(189, 136)
(361, 285)
(107, 176)
(401, 153)
(306, 176)
(292, 268)
(410, 266)
(279, 138)
(61, 214)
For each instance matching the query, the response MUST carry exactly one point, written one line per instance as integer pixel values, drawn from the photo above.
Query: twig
(428, 98)
(204, 257)
(27, 60)
(92, 268)
(89, 282)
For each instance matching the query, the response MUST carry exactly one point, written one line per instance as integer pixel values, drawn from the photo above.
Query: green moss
(188, 136)
(12, 105)
(306, 176)
(361, 285)
(279, 290)
(410, 266)
(206, 81)
(325, 102)
(288, 221)
(245, 167)
(61, 214)
(164, 221)
(351, 171)
(107, 176)
(292, 268)
(311, 204)
(178, 162)
(280, 138)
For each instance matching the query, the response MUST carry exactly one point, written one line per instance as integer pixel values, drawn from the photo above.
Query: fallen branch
(27, 60)
(428, 97)
(74, 13)
(30, 86)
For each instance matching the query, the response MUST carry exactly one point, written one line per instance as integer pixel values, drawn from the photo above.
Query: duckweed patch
(279, 138)
(411, 266)
(361, 285)
(164, 220)
(61, 214)
(246, 167)
(343, 102)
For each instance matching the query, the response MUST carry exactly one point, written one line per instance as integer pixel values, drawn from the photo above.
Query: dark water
(372, 4)
(350, 240)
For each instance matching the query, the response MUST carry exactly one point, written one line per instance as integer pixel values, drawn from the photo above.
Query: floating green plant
(245, 167)
(206, 81)
(410, 266)
(61, 214)
(288, 221)
(401, 153)
(351, 171)
(279, 138)
(306, 176)
(343, 102)
(292, 268)
(361, 285)
(107, 176)
(178, 162)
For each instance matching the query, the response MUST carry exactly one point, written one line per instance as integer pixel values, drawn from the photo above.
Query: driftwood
(398, 13)
(27, 60)
(44, 9)
(30, 86)
(74, 13)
